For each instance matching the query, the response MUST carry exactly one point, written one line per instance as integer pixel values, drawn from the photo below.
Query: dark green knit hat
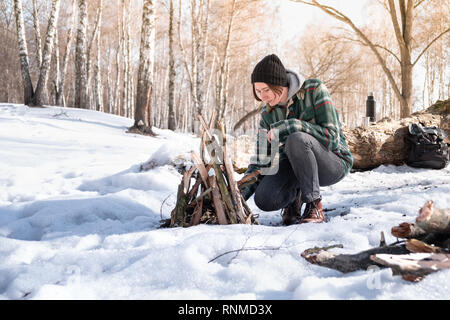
(270, 70)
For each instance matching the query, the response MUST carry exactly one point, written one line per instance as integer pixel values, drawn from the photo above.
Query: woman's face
(266, 94)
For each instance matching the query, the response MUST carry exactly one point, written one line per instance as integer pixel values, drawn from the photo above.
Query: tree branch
(418, 3)
(429, 45)
(340, 16)
(247, 116)
(394, 18)
(376, 45)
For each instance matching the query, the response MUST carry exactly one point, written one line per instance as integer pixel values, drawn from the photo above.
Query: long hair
(275, 89)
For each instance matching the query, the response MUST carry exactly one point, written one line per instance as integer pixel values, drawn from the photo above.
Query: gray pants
(309, 166)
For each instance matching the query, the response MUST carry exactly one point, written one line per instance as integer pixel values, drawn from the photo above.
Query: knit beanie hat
(270, 70)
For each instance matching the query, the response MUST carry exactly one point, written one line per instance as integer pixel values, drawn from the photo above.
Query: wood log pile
(214, 197)
(424, 250)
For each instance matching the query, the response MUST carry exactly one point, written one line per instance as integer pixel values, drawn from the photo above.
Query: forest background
(164, 62)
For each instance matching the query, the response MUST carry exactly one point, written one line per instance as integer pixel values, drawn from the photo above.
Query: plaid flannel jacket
(310, 110)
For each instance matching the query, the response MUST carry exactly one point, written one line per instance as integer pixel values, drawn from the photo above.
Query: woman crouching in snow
(312, 148)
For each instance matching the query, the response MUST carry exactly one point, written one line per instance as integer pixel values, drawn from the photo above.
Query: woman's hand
(270, 135)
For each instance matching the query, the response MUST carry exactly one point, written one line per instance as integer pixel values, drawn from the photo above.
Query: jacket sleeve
(326, 126)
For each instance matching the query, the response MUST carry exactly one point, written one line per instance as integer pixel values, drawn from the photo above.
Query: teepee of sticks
(214, 197)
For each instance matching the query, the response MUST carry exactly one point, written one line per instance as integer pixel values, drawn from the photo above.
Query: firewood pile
(214, 197)
(424, 248)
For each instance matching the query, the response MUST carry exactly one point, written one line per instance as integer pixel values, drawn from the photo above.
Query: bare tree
(37, 33)
(47, 54)
(222, 82)
(95, 32)
(97, 88)
(9, 90)
(80, 57)
(403, 32)
(34, 98)
(59, 100)
(199, 13)
(172, 74)
(434, 16)
(23, 53)
(142, 114)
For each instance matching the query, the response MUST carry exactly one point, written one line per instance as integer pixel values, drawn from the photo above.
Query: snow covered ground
(79, 221)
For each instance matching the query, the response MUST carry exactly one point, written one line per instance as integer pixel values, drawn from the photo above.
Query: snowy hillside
(79, 221)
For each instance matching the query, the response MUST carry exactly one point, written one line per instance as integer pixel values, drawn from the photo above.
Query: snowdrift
(78, 220)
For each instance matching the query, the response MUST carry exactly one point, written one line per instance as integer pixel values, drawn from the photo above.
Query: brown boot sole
(311, 221)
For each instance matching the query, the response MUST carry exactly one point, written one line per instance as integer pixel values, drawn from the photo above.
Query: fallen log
(414, 266)
(431, 227)
(417, 246)
(413, 258)
(383, 142)
(433, 219)
(407, 230)
(349, 262)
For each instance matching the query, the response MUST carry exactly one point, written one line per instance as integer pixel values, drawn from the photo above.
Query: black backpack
(426, 147)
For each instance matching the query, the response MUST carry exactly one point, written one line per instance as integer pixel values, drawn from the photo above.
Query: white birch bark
(65, 60)
(171, 118)
(97, 23)
(37, 33)
(124, 41)
(116, 96)
(145, 72)
(109, 86)
(129, 68)
(80, 57)
(23, 52)
(47, 54)
(202, 40)
(222, 91)
(98, 92)
(57, 63)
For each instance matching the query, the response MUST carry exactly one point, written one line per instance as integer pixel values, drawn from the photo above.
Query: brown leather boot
(313, 212)
(291, 214)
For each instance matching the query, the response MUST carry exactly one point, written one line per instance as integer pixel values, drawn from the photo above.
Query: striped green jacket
(310, 110)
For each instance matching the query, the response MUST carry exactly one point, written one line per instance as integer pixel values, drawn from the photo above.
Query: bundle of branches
(214, 197)
(425, 250)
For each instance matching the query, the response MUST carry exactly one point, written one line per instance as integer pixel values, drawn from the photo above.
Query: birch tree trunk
(37, 33)
(80, 57)
(60, 86)
(183, 52)
(57, 63)
(130, 110)
(98, 100)
(222, 77)
(201, 42)
(90, 97)
(195, 44)
(199, 13)
(145, 72)
(23, 53)
(116, 94)
(126, 74)
(47, 54)
(109, 86)
(172, 75)
(38, 38)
